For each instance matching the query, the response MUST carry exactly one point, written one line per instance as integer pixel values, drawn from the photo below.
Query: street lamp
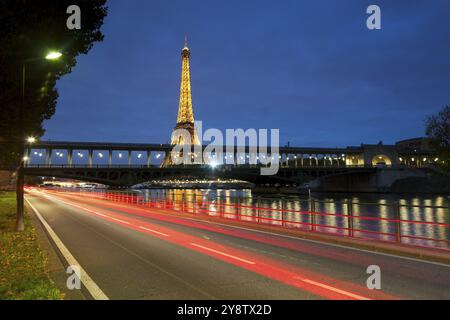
(52, 55)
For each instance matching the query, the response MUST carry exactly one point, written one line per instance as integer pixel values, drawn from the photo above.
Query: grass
(24, 267)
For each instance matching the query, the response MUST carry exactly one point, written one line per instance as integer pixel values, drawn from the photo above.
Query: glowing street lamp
(53, 55)
(31, 139)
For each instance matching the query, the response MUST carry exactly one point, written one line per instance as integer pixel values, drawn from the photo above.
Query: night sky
(310, 68)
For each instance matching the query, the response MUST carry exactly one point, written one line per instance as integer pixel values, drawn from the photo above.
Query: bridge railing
(189, 166)
(418, 225)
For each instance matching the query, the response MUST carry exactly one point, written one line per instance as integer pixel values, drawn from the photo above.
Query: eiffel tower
(185, 118)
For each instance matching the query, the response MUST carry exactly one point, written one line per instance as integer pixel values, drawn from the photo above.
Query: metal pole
(238, 205)
(194, 205)
(259, 209)
(313, 216)
(182, 202)
(350, 217)
(283, 218)
(398, 222)
(20, 174)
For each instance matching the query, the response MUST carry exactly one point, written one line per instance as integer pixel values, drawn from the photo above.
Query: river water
(423, 218)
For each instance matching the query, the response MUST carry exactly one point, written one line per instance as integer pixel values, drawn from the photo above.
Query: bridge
(123, 164)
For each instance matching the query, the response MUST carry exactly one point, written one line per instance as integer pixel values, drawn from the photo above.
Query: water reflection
(331, 213)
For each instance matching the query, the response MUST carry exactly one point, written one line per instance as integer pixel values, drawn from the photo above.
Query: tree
(29, 29)
(438, 130)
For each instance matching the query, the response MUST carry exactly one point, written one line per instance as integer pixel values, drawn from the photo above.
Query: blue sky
(310, 68)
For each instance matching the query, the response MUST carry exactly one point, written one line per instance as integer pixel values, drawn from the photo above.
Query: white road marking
(87, 281)
(319, 242)
(86, 209)
(119, 220)
(154, 231)
(222, 253)
(325, 286)
(101, 214)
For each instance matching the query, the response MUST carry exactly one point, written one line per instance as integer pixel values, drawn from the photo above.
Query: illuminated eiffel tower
(185, 118)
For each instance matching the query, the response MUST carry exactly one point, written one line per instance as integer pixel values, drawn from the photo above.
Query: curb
(55, 261)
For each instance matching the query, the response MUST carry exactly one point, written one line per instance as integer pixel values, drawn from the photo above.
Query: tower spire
(185, 118)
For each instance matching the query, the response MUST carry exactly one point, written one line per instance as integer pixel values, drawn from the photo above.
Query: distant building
(421, 143)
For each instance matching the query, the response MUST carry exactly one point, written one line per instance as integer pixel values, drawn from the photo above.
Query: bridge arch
(381, 159)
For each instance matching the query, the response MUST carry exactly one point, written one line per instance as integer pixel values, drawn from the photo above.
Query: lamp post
(53, 55)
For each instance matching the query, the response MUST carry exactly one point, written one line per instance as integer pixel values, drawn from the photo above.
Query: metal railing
(390, 222)
(204, 165)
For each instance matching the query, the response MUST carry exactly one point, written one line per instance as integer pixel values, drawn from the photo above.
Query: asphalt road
(141, 253)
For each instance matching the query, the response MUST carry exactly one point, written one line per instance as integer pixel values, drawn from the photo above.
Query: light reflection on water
(241, 204)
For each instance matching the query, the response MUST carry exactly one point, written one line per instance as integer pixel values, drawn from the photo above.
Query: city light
(100, 155)
(120, 155)
(31, 139)
(53, 55)
(213, 164)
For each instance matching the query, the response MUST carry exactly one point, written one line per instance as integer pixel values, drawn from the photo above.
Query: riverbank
(24, 268)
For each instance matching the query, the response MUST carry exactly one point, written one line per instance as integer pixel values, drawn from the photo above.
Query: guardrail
(398, 222)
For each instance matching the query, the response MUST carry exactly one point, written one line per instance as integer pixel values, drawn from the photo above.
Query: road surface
(141, 253)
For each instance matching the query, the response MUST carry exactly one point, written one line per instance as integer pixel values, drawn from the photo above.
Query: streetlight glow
(31, 139)
(53, 55)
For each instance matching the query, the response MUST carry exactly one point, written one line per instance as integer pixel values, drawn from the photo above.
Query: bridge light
(436, 159)
(412, 159)
(213, 164)
(400, 159)
(139, 155)
(31, 139)
(25, 158)
(40, 154)
(61, 155)
(120, 155)
(100, 155)
(424, 159)
(35, 153)
(158, 155)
